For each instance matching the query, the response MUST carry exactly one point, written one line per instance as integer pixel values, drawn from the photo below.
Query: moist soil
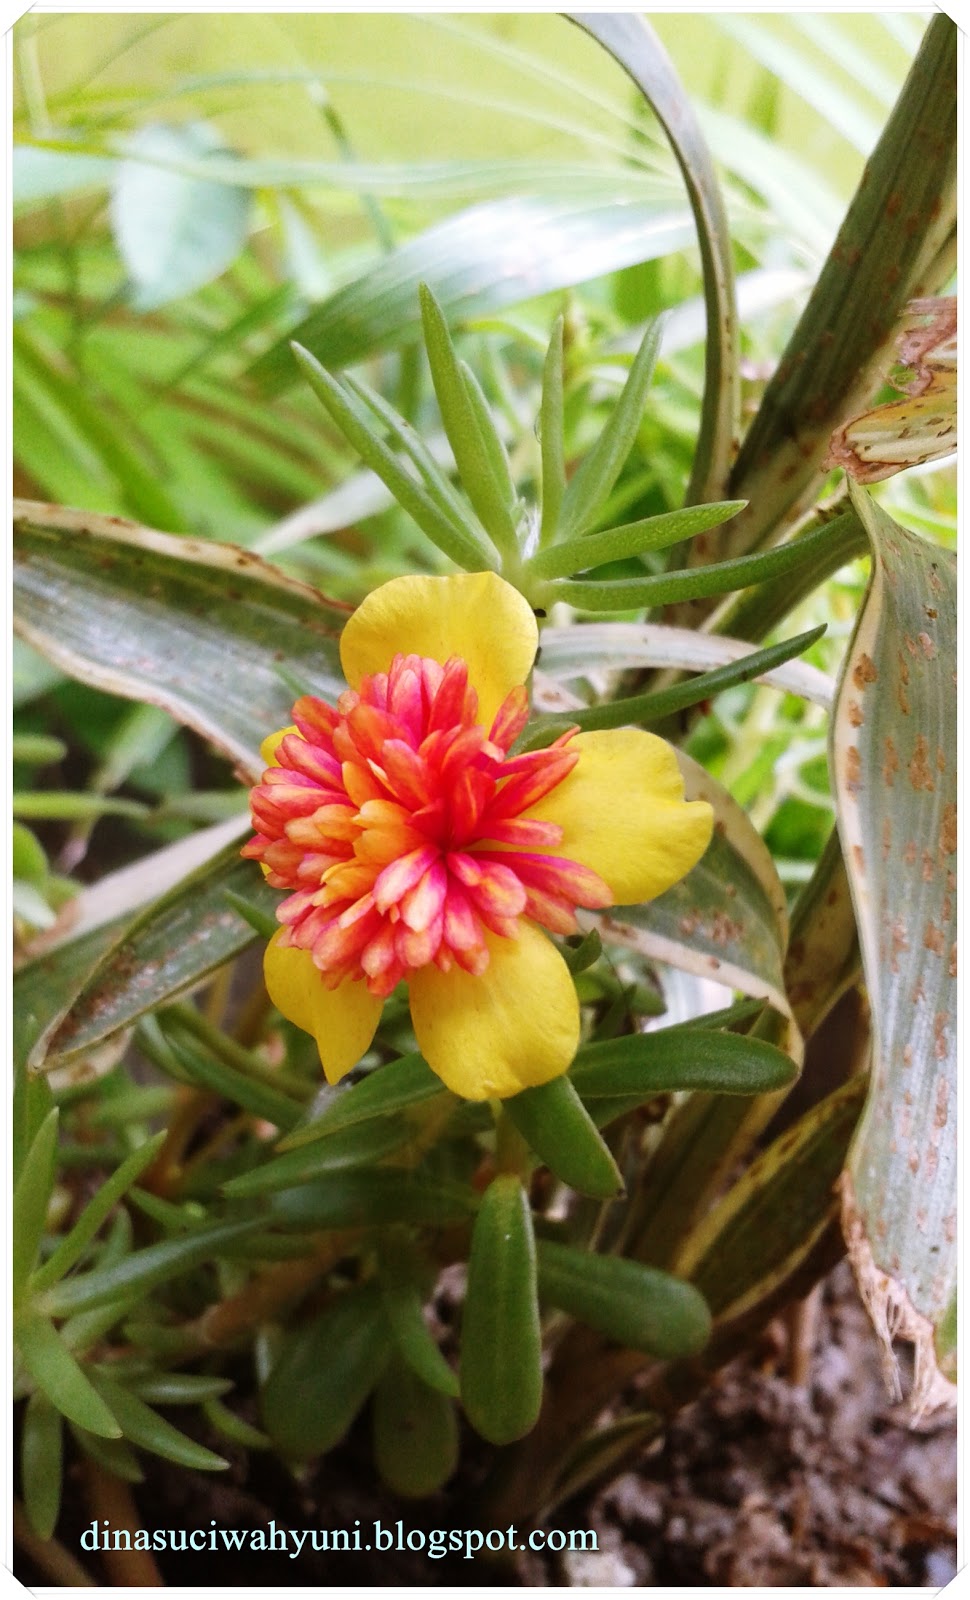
(759, 1483)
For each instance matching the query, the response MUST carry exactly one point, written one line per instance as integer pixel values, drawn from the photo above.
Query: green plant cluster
(198, 1223)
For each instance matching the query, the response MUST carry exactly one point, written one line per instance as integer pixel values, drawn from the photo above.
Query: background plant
(166, 258)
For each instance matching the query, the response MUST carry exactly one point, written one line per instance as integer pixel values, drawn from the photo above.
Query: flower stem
(512, 1154)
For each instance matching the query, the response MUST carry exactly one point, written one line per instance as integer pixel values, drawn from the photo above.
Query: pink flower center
(400, 826)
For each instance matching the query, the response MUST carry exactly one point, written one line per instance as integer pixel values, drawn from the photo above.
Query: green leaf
(501, 1343)
(144, 1427)
(572, 654)
(590, 485)
(259, 918)
(324, 1373)
(56, 1372)
(408, 1081)
(31, 1199)
(404, 436)
(164, 952)
(29, 856)
(551, 438)
(582, 956)
(415, 1433)
(360, 1199)
(86, 1329)
(646, 1064)
(174, 232)
(234, 1428)
(113, 1455)
(631, 539)
(145, 1269)
(894, 742)
(196, 627)
(637, 1306)
(32, 1103)
(200, 1066)
(471, 432)
(47, 806)
(488, 428)
(352, 1147)
(72, 1246)
(632, 42)
(627, 594)
(112, 455)
(404, 1309)
(41, 1464)
(557, 1127)
(37, 749)
(482, 259)
(453, 538)
(648, 709)
(180, 1388)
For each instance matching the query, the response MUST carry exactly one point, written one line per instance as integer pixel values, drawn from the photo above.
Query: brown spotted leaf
(87, 991)
(923, 425)
(894, 762)
(211, 633)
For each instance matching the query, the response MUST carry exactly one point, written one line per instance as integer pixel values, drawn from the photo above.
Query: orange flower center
(400, 826)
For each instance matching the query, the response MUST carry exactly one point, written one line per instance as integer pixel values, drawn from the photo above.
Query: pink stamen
(397, 823)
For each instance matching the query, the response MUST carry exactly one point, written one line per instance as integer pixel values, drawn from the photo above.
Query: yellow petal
(475, 615)
(271, 743)
(623, 813)
(343, 1021)
(514, 1027)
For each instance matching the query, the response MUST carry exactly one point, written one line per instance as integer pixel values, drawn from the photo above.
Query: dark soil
(764, 1484)
(760, 1483)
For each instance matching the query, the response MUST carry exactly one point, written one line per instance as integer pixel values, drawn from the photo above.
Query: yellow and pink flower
(416, 847)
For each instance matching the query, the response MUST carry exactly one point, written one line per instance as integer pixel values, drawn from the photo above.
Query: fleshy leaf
(324, 1373)
(556, 1126)
(144, 1427)
(408, 1081)
(56, 1372)
(635, 1305)
(415, 1433)
(501, 1344)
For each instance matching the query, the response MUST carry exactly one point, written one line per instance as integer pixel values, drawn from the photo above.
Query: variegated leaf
(894, 762)
(922, 426)
(202, 629)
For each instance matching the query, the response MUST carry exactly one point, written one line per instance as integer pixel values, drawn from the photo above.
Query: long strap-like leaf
(633, 43)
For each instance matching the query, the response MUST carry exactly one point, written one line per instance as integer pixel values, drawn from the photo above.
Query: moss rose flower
(415, 847)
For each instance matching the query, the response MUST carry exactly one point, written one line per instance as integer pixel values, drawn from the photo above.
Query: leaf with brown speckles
(200, 628)
(899, 1187)
(136, 965)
